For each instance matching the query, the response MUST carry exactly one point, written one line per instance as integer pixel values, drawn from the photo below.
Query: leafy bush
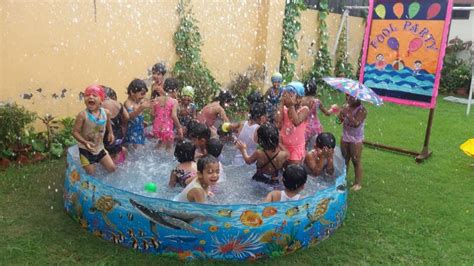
(14, 120)
(189, 68)
(242, 85)
(456, 72)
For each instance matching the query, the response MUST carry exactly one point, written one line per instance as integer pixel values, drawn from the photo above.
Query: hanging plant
(322, 66)
(343, 67)
(190, 69)
(289, 49)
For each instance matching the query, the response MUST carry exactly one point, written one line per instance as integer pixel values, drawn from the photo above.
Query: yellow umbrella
(468, 147)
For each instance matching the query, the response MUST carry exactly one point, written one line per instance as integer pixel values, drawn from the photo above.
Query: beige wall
(58, 44)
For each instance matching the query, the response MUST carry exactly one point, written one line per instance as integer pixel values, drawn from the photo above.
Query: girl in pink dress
(292, 118)
(165, 115)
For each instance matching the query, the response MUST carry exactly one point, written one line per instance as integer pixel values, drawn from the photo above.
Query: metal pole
(341, 25)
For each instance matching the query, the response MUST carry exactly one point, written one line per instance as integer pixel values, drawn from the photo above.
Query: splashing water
(236, 187)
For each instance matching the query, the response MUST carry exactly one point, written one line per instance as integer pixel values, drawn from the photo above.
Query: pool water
(236, 187)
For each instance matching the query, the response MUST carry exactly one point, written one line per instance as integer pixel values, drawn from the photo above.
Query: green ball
(150, 187)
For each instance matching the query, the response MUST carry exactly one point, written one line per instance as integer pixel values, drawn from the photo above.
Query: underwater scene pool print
(201, 231)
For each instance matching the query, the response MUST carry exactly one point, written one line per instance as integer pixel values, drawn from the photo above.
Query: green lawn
(406, 213)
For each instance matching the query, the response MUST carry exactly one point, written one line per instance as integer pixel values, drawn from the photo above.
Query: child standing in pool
(294, 178)
(135, 105)
(118, 119)
(207, 176)
(165, 113)
(292, 119)
(89, 131)
(183, 173)
(270, 159)
(353, 116)
(158, 72)
(314, 127)
(209, 114)
(273, 95)
(199, 135)
(186, 109)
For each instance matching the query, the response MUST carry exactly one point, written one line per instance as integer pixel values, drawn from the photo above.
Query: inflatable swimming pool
(201, 231)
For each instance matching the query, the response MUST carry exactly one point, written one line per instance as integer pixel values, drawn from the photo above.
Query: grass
(406, 213)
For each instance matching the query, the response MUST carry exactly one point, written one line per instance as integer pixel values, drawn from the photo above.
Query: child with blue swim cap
(292, 118)
(273, 95)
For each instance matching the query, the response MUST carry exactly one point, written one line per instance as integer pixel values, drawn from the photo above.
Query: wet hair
(224, 97)
(294, 176)
(200, 131)
(214, 147)
(311, 87)
(110, 93)
(171, 84)
(137, 85)
(268, 136)
(325, 140)
(204, 161)
(257, 110)
(254, 97)
(184, 151)
(159, 68)
(190, 128)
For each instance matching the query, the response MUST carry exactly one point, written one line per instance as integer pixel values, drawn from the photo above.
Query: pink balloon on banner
(433, 10)
(414, 45)
(398, 10)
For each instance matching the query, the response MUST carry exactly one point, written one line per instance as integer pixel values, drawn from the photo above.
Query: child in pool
(158, 72)
(270, 159)
(185, 171)
(207, 176)
(292, 118)
(320, 160)
(314, 127)
(273, 95)
(135, 105)
(209, 114)
(165, 109)
(214, 147)
(118, 119)
(199, 135)
(186, 108)
(353, 116)
(247, 131)
(89, 131)
(294, 179)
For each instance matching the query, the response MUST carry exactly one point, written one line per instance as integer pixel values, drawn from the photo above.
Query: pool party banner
(404, 47)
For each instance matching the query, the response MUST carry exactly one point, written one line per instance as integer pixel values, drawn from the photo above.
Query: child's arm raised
(243, 149)
(76, 131)
(323, 109)
(137, 109)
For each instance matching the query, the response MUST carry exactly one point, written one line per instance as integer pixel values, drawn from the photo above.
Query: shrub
(14, 120)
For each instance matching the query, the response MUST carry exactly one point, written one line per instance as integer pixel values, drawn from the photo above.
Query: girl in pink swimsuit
(165, 115)
(353, 117)
(293, 120)
(314, 127)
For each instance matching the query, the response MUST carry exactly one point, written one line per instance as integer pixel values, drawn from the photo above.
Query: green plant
(13, 122)
(190, 69)
(289, 43)
(322, 66)
(51, 125)
(456, 73)
(241, 86)
(64, 136)
(343, 67)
